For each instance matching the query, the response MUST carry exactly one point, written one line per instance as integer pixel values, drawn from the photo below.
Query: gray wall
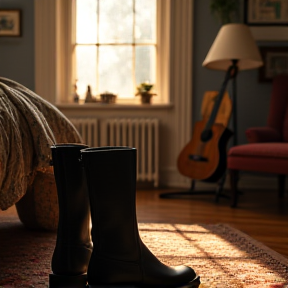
(17, 63)
(17, 54)
(252, 97)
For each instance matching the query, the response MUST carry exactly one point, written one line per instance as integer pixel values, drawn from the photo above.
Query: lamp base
(218, 192)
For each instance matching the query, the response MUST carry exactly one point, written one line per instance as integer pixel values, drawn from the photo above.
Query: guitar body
(205, 160)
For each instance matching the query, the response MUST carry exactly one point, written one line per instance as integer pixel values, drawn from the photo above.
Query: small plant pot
(108, 98)
(146, 98)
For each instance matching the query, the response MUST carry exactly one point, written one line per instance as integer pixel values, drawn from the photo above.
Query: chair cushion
(266, 150)
(261, 157)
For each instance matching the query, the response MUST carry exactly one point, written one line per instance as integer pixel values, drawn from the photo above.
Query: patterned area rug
(221, 255)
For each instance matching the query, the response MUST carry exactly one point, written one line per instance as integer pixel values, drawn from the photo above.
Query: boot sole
(193, 284)
(64, 281)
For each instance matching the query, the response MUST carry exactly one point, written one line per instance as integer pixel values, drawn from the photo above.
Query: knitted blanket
(29, 125)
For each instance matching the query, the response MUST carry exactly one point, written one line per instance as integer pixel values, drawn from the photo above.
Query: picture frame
(10, 22)
(275, 61)
(266, 12)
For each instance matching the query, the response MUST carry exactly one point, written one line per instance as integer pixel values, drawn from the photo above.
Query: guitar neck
(219, 98)
(214, 112)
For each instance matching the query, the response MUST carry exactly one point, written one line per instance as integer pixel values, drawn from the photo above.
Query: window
(55, 40)
(115, 46)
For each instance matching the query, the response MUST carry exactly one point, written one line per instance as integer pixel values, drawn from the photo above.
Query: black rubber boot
(73, 246)
(119, 258)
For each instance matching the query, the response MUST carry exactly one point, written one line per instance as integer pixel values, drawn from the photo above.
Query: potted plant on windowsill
(144, 91)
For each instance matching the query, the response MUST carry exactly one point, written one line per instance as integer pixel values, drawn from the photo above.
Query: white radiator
(139, 133)
(88, 129)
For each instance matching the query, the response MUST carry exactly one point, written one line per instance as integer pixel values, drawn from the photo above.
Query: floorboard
(260, 214)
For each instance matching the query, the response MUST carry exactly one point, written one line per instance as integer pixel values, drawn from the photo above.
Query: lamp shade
(234, 41)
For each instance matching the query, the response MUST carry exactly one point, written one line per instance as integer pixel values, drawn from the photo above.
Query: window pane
(145, 21)
(86, 69)
(115, 70)
(115, 21)
(145, 64)
(86, 21)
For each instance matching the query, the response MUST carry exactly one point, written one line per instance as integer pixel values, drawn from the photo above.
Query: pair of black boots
(103, 180)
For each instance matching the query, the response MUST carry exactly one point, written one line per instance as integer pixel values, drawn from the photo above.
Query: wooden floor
(259, 215)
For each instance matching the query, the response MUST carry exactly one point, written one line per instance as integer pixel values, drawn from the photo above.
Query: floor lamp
(234, 45)
(234, 49)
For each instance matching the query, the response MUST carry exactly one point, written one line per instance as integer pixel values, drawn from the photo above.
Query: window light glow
(115, 47)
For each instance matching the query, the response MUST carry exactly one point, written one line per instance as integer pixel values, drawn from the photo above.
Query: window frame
(53, 40)
(133, 44)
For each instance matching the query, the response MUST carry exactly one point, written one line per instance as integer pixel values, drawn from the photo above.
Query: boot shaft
(111, 177)
(73, 246)
(119, 257)
(73, 199)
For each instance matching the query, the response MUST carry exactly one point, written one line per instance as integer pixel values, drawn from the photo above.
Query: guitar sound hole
(206, 135)
(198, 158)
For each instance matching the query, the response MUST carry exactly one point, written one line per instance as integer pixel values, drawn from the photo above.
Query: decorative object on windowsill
(89, 98)
(144, 90)
(225, 11)
(108, 98)
(75, 94)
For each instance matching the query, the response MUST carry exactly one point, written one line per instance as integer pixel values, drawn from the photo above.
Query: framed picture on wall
(266, 12)
(275, 62)
(10, 23)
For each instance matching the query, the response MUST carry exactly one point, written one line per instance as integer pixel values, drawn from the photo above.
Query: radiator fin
(88, 129)
(141, 133)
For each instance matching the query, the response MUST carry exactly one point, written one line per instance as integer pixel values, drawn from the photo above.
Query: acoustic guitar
(204, 157)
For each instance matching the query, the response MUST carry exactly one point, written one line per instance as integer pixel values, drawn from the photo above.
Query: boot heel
(64, 281)
(194, 284)
(111, 286)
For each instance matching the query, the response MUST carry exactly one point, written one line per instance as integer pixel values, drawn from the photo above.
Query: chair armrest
(262, 134)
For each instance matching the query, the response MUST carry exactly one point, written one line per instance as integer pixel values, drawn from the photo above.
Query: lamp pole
(234, 101)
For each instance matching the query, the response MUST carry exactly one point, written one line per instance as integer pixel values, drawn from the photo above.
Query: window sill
(103, 106)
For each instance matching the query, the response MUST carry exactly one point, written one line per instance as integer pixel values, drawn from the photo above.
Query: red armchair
(267, 150)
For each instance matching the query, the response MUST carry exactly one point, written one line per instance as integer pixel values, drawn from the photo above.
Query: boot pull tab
(81, 161)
